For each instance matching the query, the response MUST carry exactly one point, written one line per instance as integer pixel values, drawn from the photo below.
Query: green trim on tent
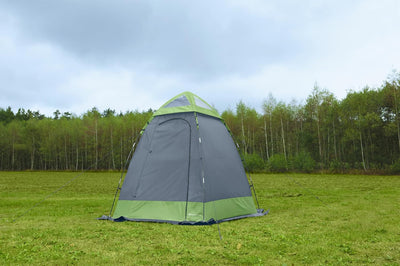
(187, 102)
(176, 210)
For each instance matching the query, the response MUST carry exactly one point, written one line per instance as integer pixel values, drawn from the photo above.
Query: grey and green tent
(186, 169)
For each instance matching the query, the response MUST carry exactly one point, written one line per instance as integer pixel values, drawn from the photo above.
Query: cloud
(117, 89)
(74, 55)
(31, 72)
(202, 40)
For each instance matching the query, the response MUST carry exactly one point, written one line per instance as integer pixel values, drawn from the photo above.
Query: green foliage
(253, 163)
(277, 163)
(303, 162)
(337, 166)
(6, 115)
(395, 167)
(360, 132)
(357, 224)
(66, 142)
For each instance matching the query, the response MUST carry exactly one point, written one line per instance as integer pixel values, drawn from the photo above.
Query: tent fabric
(179, 104)
(180, 101)
(186, 211)
(185, 169)
(260, 212)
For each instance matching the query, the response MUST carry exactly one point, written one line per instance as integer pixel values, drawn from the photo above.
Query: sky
(73, 55)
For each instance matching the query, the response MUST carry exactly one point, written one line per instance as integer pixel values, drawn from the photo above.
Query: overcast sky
(126, 55)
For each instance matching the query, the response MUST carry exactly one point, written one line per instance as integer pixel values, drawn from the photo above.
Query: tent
(186, 169)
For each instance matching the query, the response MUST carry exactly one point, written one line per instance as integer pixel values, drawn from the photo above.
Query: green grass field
(356, 220)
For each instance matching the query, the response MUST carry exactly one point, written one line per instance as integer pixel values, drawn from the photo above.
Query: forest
(360, 132)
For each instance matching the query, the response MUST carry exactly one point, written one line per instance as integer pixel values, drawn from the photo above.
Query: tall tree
(268, 107)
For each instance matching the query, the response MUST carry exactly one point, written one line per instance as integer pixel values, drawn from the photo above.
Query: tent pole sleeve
(254, 190)
(202, 166)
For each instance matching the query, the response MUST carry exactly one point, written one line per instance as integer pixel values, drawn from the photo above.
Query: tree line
(360, 132)
(31, 141)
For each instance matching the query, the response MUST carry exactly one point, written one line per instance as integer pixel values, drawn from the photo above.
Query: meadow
(313, 219)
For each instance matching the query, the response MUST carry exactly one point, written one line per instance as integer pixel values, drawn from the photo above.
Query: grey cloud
(222, 50)
(198, 39)
(81, 27)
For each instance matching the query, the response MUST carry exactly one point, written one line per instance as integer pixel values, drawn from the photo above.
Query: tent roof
(187, 102)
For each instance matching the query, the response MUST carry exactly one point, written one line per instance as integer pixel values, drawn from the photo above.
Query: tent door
(181, 144)
(165, 175)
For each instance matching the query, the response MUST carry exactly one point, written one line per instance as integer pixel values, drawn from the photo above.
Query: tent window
(181, 101)
(201, 103)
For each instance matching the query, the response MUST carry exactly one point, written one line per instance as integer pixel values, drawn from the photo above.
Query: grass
(313, 219)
